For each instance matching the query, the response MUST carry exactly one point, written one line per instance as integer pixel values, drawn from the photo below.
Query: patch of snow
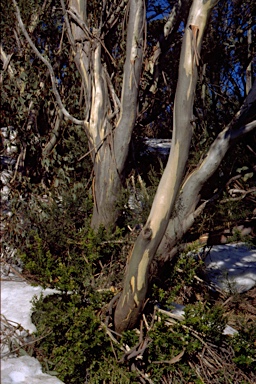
(178, 309)
(16, 306)
(232, 267)
(160, 146)
(16, 299)
(25, 370)
(229, 331)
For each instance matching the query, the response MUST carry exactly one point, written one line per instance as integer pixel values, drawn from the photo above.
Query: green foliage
(74, 344)
(184, 340)
(209, 322)
(245, 348)
(178, 278)
(57, 245)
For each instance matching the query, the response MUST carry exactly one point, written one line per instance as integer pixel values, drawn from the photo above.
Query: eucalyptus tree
(107, 44)
(175, 205)
(118, 77)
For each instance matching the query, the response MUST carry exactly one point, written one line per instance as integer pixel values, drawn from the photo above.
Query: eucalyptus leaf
(240, 170)
(52, 373)
(22, 352)
(248, 176)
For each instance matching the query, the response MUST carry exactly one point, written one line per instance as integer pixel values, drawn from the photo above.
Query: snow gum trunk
(135, 285)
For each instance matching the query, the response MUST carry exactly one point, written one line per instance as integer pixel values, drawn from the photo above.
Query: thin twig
(14, 271)
(96, 148)
(90, 36)
(110, 308)
(109, 333)
(145, 376)
(70, 36)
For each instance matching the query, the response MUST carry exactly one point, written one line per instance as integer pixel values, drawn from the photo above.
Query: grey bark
(135, 283)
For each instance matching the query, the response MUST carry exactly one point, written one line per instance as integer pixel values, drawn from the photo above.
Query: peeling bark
(109, 138)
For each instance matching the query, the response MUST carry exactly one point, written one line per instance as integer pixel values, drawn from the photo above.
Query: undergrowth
(75, 345)
(78, 342)
(75, 337)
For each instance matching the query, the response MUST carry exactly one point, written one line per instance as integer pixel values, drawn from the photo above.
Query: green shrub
(59, 248)
(73, 342)
(244, 346)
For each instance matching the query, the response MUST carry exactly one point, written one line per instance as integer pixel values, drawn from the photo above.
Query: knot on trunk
(147, 233)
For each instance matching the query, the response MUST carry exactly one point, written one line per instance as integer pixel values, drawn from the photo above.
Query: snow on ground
(16, 299)
(24, 370)
(230, 266)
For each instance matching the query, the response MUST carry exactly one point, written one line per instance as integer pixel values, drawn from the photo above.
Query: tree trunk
(135, 285)
(109, 121)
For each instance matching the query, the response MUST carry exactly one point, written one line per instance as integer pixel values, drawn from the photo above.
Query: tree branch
(131, 80)
(54, 135)
(190, 194)
(135, 283)
(70, 36)
(180, 8)
(46, 62)
(6, 63)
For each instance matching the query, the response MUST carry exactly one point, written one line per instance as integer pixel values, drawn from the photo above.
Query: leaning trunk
(186, 205)
(134, 292)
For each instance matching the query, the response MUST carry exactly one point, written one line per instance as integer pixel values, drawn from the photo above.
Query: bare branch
(90, 36)
(114, 16)
(70, 36)
(54, 135)
(136, 279)
(6, 63)
(190, 194)
(174, 16)
(49, 66)
(131, 79)
(174, 19)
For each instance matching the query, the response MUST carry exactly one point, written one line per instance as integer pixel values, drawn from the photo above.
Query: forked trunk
(109, 121)
(134, 292)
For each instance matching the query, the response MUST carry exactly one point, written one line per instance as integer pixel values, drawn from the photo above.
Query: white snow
(232, 267)
(24, 370)
(16, 306)
(161, 146)
(16, 299)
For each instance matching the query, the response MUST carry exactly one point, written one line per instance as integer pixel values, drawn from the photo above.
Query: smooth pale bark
(108, 121)
(109, 130)
(6, 63)
(135, 284)
(55, 134)
(186, 206)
